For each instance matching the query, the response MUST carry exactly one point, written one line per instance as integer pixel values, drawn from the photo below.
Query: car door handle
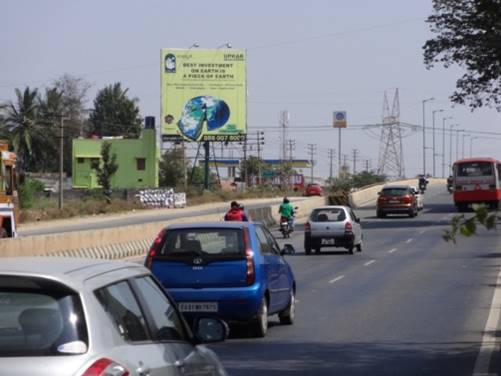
(142, 370)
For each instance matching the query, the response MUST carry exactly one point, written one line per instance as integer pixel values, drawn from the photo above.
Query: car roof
(396, 186)
(71, 271)
(213, 224)
(333, 207)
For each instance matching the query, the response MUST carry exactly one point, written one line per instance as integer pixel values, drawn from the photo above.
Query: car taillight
(105, 367)
(249, 259)
(307, 227)
(407, 199)
(154, 249)
(348, 227)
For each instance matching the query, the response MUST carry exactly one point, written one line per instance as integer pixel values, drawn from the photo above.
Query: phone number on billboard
(221, 137)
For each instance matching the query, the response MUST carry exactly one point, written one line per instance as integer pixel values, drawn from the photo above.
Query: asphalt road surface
(408, 304)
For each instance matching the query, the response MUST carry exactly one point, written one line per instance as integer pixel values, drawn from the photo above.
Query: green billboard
(204, 95)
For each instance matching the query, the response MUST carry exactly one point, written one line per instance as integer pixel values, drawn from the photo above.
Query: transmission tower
(391, 157)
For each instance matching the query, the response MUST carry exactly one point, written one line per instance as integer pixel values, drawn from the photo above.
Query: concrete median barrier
(126, 241)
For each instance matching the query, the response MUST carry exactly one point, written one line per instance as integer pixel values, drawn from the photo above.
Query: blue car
(234, 271)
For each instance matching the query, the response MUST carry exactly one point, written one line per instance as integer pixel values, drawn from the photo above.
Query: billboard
(339, 120)
(204, 95)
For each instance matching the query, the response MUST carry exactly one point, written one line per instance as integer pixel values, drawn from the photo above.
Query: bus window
(499, 172)
(475, 169)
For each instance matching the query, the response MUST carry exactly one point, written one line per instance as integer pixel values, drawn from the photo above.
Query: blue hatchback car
(235, 271)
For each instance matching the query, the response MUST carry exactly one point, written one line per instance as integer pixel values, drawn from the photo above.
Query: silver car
(82, 317)
(333, 226)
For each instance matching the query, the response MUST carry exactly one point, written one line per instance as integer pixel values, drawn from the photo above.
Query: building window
(141, 164)
(80, 160)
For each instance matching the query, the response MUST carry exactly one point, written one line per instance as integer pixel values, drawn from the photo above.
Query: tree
(21, 121)
(115, 114)
(469, 35)
(468, 226)
(171, 168)
(252, 166)
(106, 169)
(50, 109)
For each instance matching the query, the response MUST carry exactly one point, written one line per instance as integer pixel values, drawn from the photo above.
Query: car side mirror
(210, 330)
(288, 249)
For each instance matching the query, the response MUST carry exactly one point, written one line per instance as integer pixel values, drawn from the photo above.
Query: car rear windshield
(209, 243)
(475, 169)
(40, 317)
(328, 215)
(395, 192)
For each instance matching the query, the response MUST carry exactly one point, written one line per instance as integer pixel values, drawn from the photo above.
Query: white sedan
(419, 198)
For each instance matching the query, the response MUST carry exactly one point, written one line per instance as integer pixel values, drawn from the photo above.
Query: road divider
(128, 241)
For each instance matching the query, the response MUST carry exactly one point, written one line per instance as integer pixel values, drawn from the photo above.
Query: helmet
(286, 200)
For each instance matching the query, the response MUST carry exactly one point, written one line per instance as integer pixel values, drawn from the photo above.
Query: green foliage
(106, 169)
(27, 192)
(362, 179)
(115, 114)
(251, 167)
(460, 225)
(171, 168)
(468, 33)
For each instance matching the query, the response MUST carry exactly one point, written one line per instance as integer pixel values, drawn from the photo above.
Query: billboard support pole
(206, 167)
(339, 154)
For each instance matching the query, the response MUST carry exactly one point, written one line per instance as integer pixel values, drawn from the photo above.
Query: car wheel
(287, 315)
(359, 247)
(411, 213)
(350, 249)
(317, 250)
(307, 251)
(307, 245)
(261, 323)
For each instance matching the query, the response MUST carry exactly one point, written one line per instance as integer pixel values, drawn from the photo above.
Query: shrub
(27, 192)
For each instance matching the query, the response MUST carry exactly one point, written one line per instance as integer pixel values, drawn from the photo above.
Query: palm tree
(21, 122)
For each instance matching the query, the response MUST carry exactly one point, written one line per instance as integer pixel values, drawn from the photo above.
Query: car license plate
(328, 241)
(393, 201)
(198, 306)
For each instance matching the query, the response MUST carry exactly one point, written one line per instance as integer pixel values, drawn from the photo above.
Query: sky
(307, 58)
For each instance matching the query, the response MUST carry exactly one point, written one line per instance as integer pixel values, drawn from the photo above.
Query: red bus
(477, 180)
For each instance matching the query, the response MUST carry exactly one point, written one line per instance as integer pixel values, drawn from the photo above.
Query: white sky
(309, 58)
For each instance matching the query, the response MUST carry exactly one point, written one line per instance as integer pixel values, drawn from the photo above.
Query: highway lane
(409, 304)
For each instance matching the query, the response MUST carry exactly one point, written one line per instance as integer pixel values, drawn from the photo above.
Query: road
(409, 304)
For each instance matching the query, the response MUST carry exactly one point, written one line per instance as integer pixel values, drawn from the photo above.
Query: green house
(137, 161)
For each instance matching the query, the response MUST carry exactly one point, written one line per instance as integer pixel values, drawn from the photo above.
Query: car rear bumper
(234, 303)
(394, 209)
(345, 240)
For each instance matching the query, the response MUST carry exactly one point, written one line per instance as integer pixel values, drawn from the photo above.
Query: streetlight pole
(434, 154)
(457, 142)
(424, 134)
(450, 144)
(462, 149)
(471, 145)
(61, 165)
(443, 144)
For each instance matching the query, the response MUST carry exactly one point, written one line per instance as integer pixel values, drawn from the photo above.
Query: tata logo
(197, 261)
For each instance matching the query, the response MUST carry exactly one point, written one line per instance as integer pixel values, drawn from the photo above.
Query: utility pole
(244, 172)
(355, 154)
(61, 165)
(433, 143)
(311, 151)
(331, 154)
(185, 171)
(292, 146)
(367, 165)
(260, 141)
(424, 133)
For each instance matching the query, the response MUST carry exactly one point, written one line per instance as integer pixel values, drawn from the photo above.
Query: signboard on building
(204, 95)
(339, 120)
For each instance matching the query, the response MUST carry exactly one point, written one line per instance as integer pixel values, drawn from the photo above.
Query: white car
(419, 198)
(70, 316)
(333, 226)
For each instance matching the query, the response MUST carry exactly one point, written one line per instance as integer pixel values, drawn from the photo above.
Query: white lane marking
(422, 232)
(408, 240)
(336, 279)
(369, 262)
(392, 250)
(489, 344)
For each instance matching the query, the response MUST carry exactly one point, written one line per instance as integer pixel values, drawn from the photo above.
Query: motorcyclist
(286, 210)
(236, 213)
(423, 182)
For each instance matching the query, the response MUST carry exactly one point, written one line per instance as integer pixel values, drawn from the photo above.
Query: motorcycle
(449, 185)
(285, 226)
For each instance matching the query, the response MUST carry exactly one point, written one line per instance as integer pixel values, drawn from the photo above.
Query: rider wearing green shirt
(287, 210)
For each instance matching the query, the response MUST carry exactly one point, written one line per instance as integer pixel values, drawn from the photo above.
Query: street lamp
(194, 45)
(226, 45)
(462, 149)
(434, 154)
(443, 144)
(424, 133)
(471, 145)
(457, 142)
(450, 144)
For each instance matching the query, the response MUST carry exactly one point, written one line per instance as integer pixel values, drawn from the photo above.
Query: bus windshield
(475, 169)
